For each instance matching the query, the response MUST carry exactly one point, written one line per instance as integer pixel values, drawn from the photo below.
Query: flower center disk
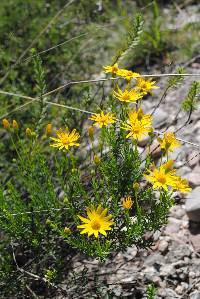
(95, 224)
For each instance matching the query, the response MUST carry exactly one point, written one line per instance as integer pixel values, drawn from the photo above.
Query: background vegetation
(73, 41)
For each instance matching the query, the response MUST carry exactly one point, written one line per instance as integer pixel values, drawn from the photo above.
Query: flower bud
(91, 132)
(48, 221)
(67, 230)
(5, 123)
(66, 200)
(15, 125)
(28, 132)
(136, 186)
(97, 160)
(48, 129)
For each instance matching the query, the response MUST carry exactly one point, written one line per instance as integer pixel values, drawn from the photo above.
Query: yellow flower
(65, 139)
(97, 222)
(102, 119)
(162, 177)
(167, 166)
(127, 96)
(5, 123)
(126, 74)
(137, 129)
(169, 142)
(111, 69)
(140, 116)
(48, 129)
(15, 125)
(145, 86)
(181, 185)
(127, 203)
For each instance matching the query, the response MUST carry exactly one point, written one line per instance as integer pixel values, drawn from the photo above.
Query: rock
(156, 235)
(159, 118)
(177, 154)
(167, 270)
(177, 252)
(180, 289)
(195, 239)
(150, 273)
(158, 281)
(192, 205)
(195, 295)
(171, 294)
(155, 149)
(194, 177)
(144, 141)
(192, 274)
(163, 245)
(130, 253)
(173, 226)
(194, 158)
(177, 211)
(154, 259)
(184, 171)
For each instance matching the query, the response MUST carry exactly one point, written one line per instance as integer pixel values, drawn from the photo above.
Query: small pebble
(163, 245)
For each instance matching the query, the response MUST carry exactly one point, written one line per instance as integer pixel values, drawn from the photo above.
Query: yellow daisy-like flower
(162, 177)
(137, 129)
(140, 116)
(65, 139)
(168, 142)
(111, 69)
(126, 74)
(127, 203)
(145, 86)
(127, 96)
(102, 119)
(181, 185)
(98, 222)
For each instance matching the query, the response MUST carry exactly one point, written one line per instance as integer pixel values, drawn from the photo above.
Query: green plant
(190, 102)
(151, 291)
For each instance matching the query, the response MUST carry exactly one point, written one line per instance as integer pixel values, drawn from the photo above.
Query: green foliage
(39, 73)
(175, 81)
(132, 38)
(190, 102)
(154, 37)
(43, 192)
(50, 275)
(151, 292)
